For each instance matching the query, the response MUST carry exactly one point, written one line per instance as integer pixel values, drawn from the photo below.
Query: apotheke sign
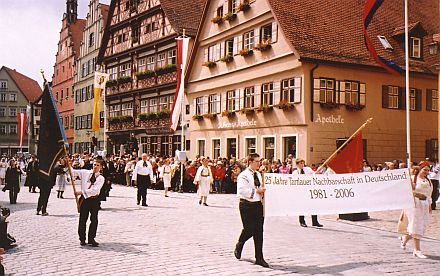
(238, 124)
(329, 120)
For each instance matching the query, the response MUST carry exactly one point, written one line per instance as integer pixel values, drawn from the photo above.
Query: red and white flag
(182, 54)
(21, 119)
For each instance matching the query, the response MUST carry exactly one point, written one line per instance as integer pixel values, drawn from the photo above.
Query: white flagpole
(182, 141)
(408, 107)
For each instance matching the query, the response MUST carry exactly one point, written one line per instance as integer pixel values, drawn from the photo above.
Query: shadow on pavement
(435, 258)
(333, 269)
(222, 207)
(21, 206)
(128, 248)
(65, 216)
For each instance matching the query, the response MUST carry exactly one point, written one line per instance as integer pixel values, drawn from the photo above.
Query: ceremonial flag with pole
(99, 88)
(21, 119)
(182, 54)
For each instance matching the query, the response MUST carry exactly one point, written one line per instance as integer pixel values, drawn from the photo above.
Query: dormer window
(385, 43)
(415, 47)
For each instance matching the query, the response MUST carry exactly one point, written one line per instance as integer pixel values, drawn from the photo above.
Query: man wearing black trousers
(142, 175)
(45, 186)
(251, 209)
(91, 184)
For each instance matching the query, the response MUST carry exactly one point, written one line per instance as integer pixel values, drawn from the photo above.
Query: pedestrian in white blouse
(203, 180)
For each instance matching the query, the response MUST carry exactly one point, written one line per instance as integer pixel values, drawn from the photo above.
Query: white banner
(291, 195)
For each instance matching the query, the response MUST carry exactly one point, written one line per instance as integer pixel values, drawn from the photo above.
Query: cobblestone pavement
(176, 236)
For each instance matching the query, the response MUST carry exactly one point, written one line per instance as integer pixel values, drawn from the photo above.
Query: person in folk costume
(418, 216)
(3, 167)
(250, 191)
(165, 175)
(13, 181)
(32, 174)
(62, 178)
(92, 182)
(203, 180)
(301, 169)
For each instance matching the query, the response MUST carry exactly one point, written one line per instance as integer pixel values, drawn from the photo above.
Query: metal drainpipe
(311, 90)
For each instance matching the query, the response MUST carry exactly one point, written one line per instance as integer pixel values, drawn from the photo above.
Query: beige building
(278, 83)
(84, 78)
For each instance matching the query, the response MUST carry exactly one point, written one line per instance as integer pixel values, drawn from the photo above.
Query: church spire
(71, 11)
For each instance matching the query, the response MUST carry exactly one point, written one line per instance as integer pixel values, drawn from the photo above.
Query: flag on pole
(182, 54)
(21, 119)
(99, 87)
(370, 8)
(350, 158)
(52, 139)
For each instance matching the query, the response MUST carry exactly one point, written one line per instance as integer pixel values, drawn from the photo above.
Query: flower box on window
(197, 117)
(246, 52)
(210, 64)
(210, 116)
(217, 20)
(147, 116)
(328, 105)
(228, 113)
(125, 79)
(145, 75)
(354, 107)
(247, 110)
(285, 105)
(230, 16)
(114, 120)
(227, 58)
(166, 69)
(263, 47)
(111, 83)
(264, 108)
(163, 114)
(244, 6)
(120, 119)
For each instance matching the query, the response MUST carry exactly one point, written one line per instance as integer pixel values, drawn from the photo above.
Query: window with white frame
(72, 120)
(266, 34)
(163, 103)
(267, 94)
(201, 147)
(2, 111)
(161, 59)
(291, 90)
(151, 63)
(144, 106)
(249, 97)
(251, 145)
(232, 99)
(3, 85)
(172, 56)
(434, 100)
(248, 40)
(66, 122)
(127, 109)
(215, 148)
(91, 39)
(269, 147)
(13, 128)
(153, 105)
(232, 6)
(351, 93)
(214, 104)
(220, 11)
(114, 110)
(393, 97)
(412, 99)
(416, 47)
(125, 70)
(113, 73)
(2, 129)
(2, 97)
(170, 102)
(23, 110)
(13, 97)
(200, 105)
(229, 47)
(324, 89)
(141, 65)
(12, 111)
(212, 53)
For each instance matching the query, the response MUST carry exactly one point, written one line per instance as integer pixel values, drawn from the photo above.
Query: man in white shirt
(91, 184)
(250, 191)
(301, 169)
(142, 174)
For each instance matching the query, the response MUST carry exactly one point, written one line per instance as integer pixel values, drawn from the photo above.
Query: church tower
(71, 11)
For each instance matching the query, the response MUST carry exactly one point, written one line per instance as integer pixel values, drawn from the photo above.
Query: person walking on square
(3, 167)
(203, 180)
(13, 181)
(165, 174)
(301, 169)
(91, 184)
(251, 192)
(62, 178)
(418, 216)
(32, 174)
(142, 174)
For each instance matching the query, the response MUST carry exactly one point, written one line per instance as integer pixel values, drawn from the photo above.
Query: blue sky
(29, 33)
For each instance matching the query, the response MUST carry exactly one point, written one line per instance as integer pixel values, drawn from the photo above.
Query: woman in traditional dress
(165, 175)
(61, 179)
(418, 216)
(3, 167)
(203, 180)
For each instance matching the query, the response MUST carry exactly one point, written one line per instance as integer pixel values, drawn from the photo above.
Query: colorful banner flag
(350, 158)
(21, 119)
(52, 139)
(370, 8)
(182, 54)
(99, 88)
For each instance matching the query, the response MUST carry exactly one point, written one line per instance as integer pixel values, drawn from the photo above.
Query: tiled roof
(331, 30)
(77, 30)
(29, 87)
(184, 15)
